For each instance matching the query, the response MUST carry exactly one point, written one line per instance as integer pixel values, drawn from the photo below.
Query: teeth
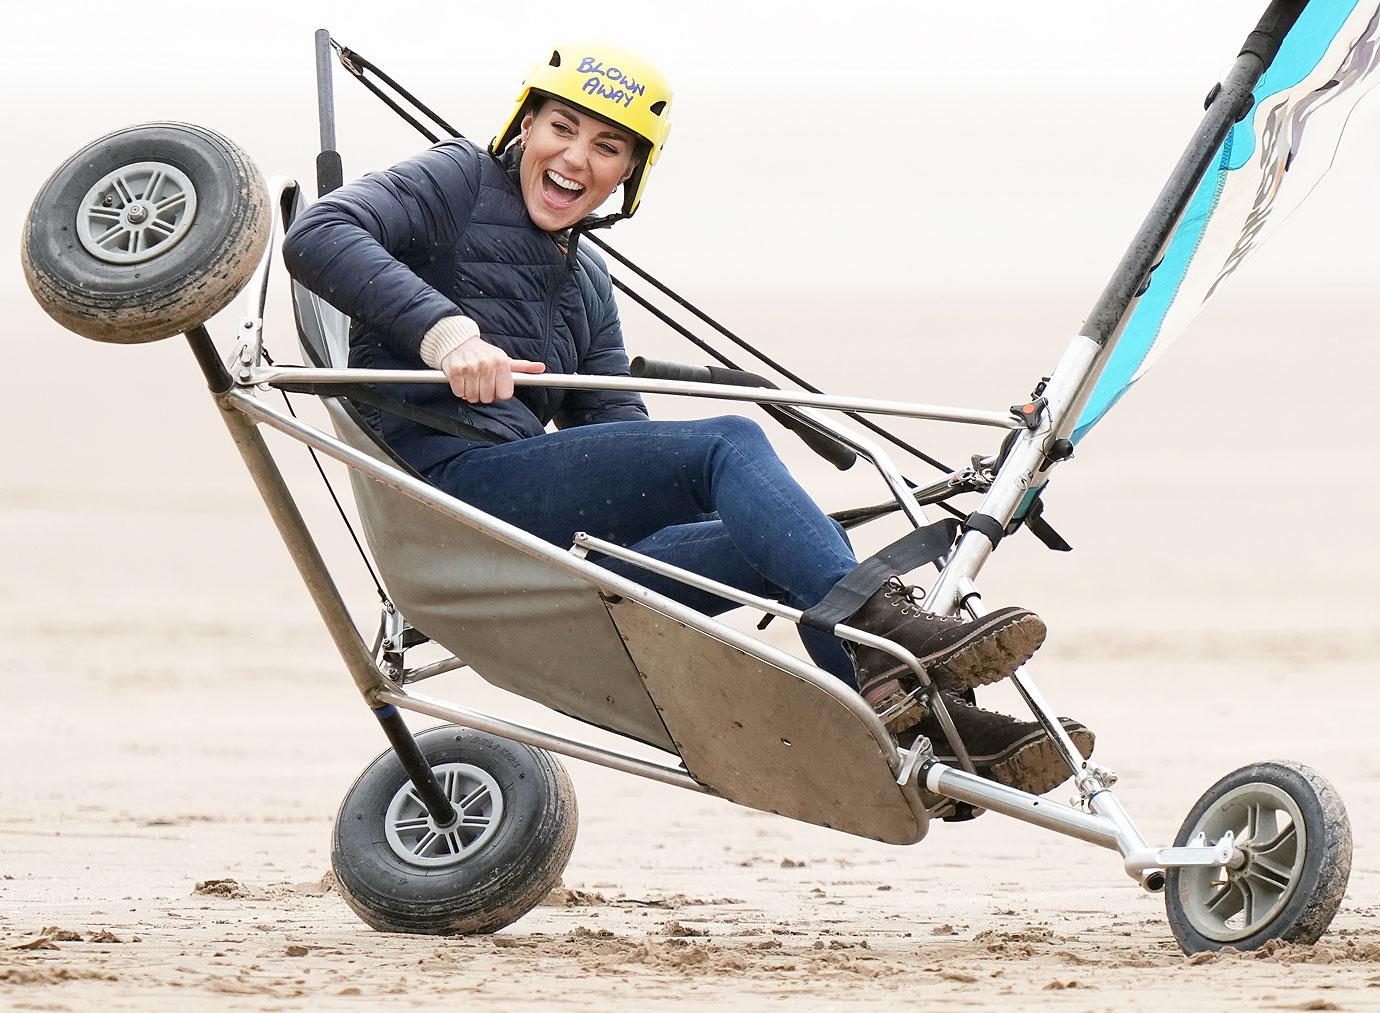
(561, 181)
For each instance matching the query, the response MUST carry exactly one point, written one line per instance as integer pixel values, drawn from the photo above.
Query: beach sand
(178, 731)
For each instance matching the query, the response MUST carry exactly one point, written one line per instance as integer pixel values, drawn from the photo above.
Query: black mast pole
(329, 171)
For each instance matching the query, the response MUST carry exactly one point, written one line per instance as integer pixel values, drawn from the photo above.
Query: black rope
(398, 109)
(762, 356)
(725, 360)
(357, 65)
(378, 584)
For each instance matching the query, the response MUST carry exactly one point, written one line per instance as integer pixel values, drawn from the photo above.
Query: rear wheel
(516, 825)
(146, 233)
(1294, 838)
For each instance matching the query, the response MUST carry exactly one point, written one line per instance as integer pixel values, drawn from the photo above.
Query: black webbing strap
(921, 546)
(369, 395)
(989, 526)
(1039, 527)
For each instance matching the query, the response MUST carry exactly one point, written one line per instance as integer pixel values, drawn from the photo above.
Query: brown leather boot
(1005, 749)
(957, 653)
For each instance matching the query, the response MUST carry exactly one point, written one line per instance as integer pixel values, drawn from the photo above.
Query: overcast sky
(856, 185)
(867, 144)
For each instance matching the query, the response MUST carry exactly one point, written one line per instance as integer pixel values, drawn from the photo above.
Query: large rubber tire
(176, 285)
(506, 875)
(1301, 880)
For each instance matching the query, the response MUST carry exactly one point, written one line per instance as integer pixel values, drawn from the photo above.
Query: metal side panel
(522, 624)
(760, 736)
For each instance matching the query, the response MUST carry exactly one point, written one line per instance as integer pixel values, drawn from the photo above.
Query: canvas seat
(745, 725)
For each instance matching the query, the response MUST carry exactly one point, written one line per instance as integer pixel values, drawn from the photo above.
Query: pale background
(912, 201)
(903, 200)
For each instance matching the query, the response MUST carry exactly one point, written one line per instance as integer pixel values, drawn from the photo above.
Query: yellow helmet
(610, 83)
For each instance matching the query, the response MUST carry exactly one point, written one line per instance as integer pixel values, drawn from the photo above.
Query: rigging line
(753, 350)
(364, 556)
(357, 71)
(357, 64)
(388, 101)
(699, 342)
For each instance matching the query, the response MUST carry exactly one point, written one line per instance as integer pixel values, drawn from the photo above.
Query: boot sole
(1031, 763)
(988, 655)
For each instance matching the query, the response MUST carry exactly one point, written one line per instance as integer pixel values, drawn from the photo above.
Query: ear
(632, 164)
(524, 127)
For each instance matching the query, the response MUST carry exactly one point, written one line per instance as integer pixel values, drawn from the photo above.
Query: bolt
(137, 214)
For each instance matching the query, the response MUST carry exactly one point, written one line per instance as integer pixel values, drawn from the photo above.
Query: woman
(469, 262)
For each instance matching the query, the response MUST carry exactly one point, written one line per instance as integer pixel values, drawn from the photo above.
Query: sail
(1261, 173)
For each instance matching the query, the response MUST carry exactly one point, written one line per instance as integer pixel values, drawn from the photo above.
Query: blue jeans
(709, 496)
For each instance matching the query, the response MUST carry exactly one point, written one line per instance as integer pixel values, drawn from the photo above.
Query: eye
(609, 149)
(560, 128)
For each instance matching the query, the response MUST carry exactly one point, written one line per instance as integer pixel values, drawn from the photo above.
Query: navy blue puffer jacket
(447, 233)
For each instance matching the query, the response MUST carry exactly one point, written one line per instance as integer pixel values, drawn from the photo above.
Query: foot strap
(921, 546)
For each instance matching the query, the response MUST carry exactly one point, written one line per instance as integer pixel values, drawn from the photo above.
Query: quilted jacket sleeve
(364, 247)
(605, 356)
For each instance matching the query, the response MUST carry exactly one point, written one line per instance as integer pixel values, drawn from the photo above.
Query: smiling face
(571, 162)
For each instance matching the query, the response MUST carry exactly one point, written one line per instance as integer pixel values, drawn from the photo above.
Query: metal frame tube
(1042, 812)
(1017, 475)
(508, 534)
(436, 668)
(249, 349)
(302, 547)
(879, 458)
(325, 90)
(574, 381)
(542, 740)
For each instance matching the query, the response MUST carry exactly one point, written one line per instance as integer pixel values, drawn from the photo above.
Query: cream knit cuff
(445, 336)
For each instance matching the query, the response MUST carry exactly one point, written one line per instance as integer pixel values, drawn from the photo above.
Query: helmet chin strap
(589, 225)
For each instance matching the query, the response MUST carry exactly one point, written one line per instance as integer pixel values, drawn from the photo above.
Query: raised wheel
(145, 233)
(1294, 840)
(517, 820)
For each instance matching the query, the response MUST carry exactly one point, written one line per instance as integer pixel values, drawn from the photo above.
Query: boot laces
(907, 598)
(904, 596)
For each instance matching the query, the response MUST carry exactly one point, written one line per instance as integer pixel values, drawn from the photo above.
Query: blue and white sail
(1261, 173)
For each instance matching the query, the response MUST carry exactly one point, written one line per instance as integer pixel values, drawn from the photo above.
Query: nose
(576, 154)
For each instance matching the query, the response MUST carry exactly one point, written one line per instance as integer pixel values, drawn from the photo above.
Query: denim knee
(843, 533)
(736, 429)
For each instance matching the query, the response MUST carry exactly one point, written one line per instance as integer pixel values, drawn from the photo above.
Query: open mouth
(559, 191)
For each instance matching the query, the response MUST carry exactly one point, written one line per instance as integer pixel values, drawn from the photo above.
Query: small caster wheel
(1293, 843)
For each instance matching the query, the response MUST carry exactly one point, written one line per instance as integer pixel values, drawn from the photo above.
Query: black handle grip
(330, 174)
(660, 369)
(821, 443)
(657, 369)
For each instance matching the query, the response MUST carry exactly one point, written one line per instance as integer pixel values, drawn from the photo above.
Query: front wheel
(146, 233)
(516, 828)
(1294, 840)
